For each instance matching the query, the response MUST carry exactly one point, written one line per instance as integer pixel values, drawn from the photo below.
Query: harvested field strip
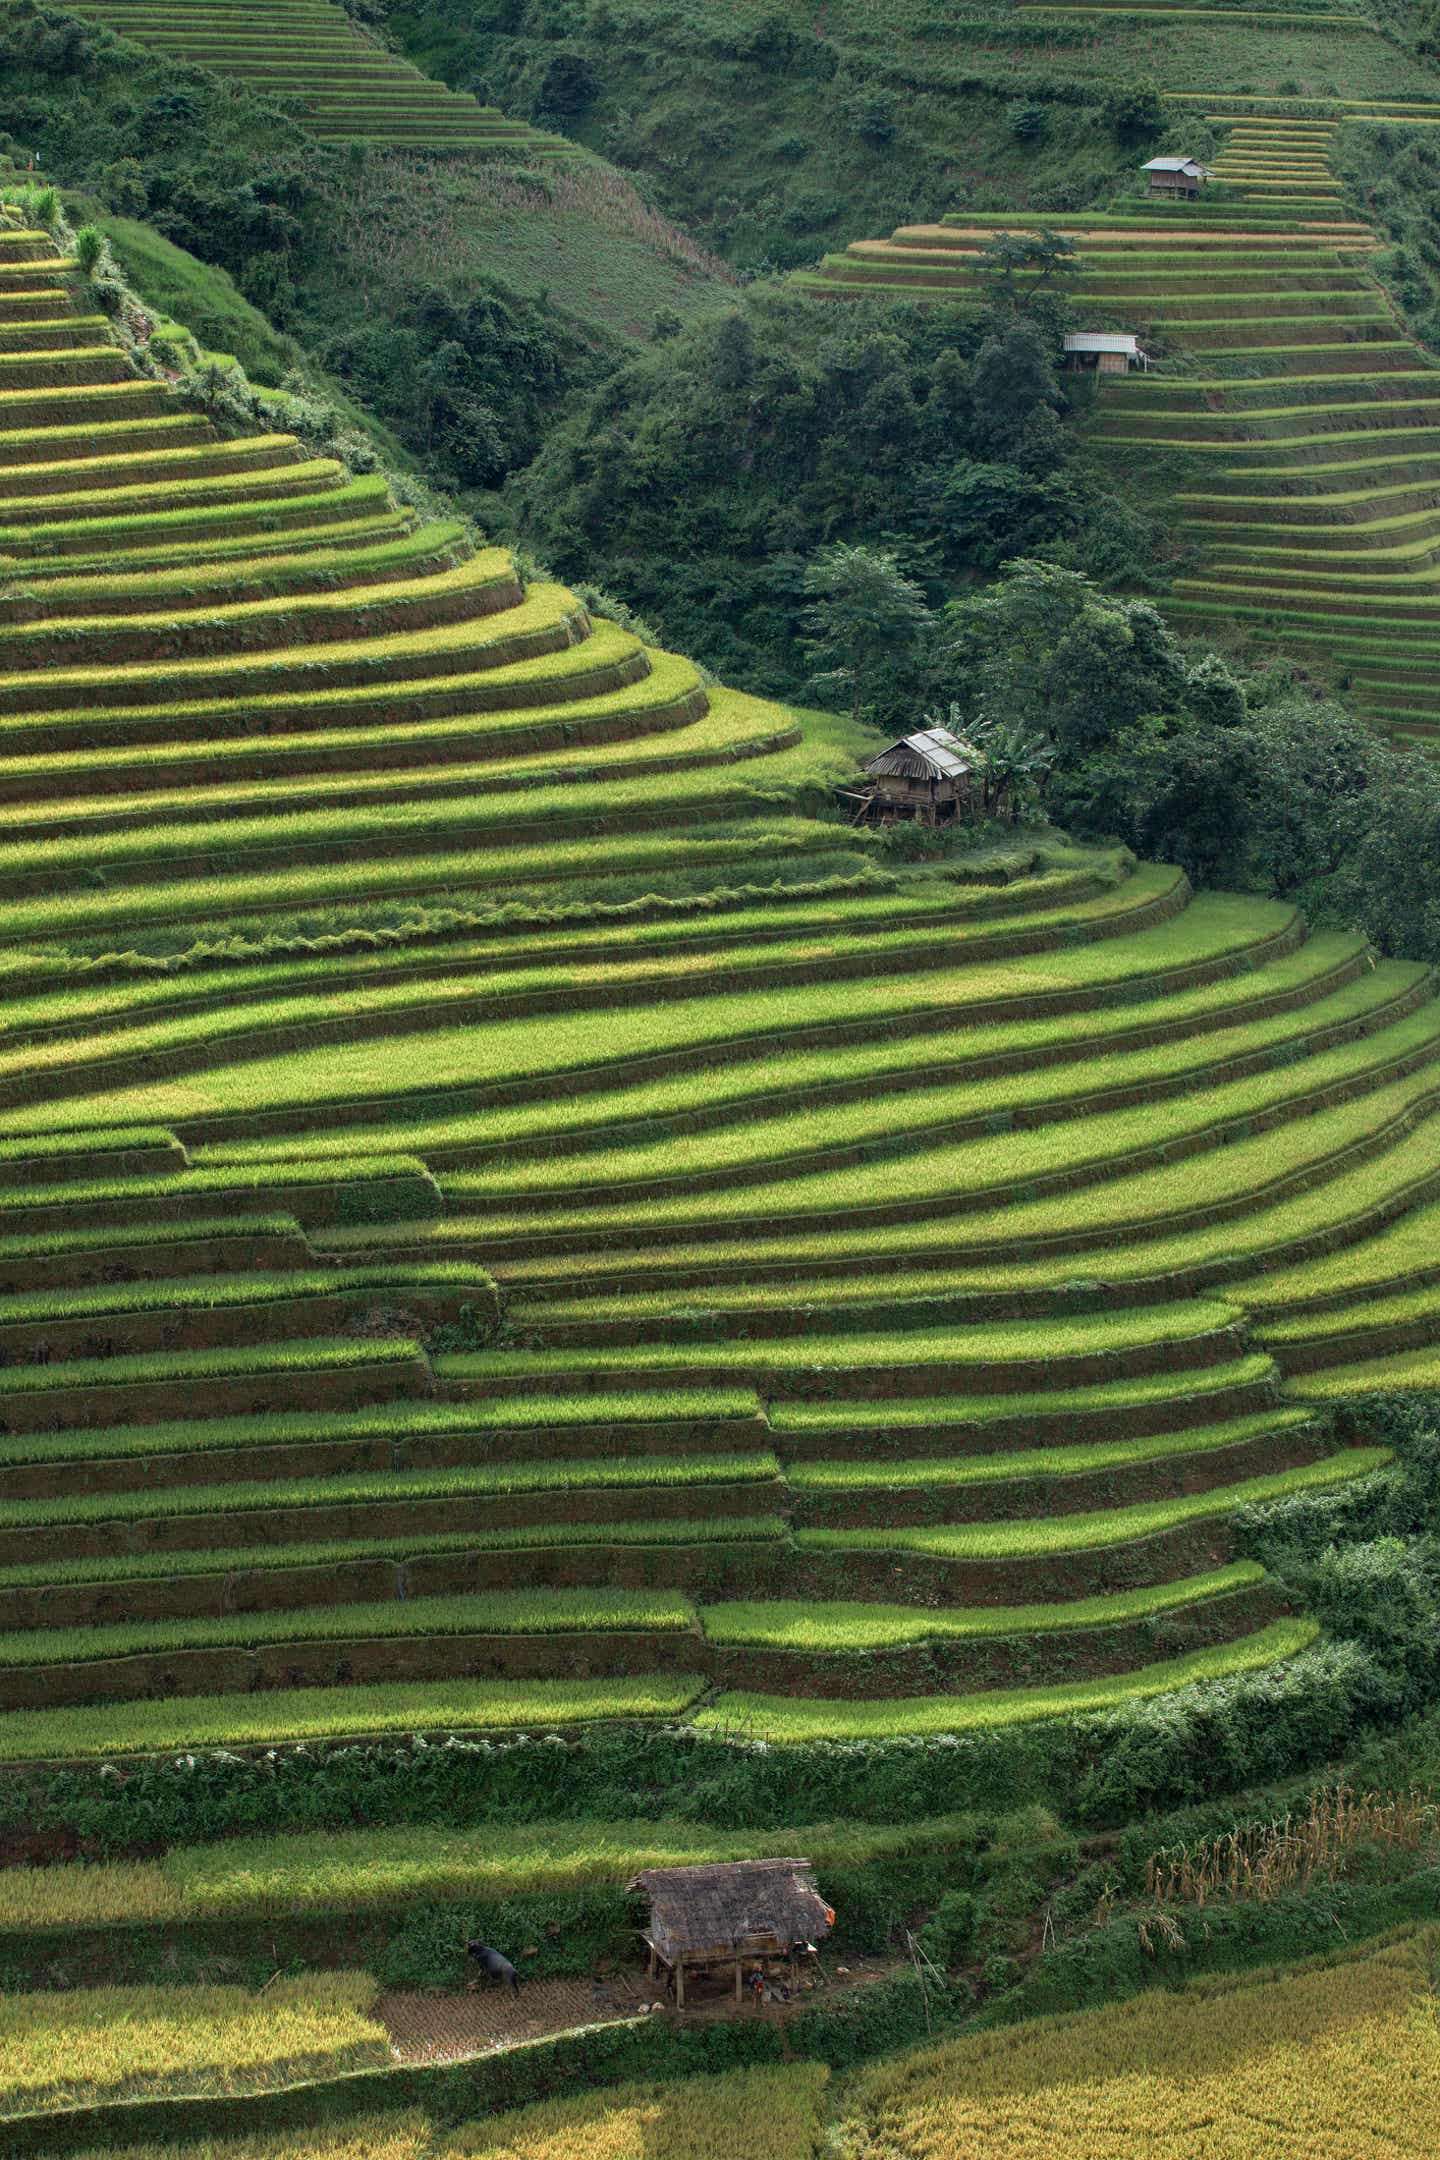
(774, 1719)
(782, 1624)
(1106, 1526)
(287, 1716)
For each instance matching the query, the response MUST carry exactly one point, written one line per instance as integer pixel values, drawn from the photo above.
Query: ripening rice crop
(1340, 2061)
(372, 2137)
(360, 1870)
(62, 2050)
(762, 2114)
(787, 1721)
(289, 1715)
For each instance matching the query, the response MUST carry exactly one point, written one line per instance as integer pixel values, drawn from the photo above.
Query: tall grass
(1258, 1862)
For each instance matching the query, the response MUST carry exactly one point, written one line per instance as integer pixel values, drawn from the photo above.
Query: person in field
(495, 1966)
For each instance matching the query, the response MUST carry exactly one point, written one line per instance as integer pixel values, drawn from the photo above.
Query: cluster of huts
(1115, 352)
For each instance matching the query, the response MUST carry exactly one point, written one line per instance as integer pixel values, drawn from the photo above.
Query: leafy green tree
(1016, 268)
(1010, 378)
(1135, 111)
(1172, 788)
(1018, 758)
(734, 361)
(865, 618)
(569, 86)
(1044, 647)
(700, 480)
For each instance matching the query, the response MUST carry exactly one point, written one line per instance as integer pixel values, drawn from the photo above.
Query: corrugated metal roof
(1174, 164)
(935, 747)
(1101, 341)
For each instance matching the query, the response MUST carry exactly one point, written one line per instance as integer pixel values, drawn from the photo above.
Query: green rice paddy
(496, 1165)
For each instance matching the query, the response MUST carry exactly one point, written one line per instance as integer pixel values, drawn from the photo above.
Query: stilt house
(927, 776)
(1108, 352)
(1183, 176)
(737, 1917)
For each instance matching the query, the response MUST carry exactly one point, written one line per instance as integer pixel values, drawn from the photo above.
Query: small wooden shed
(1176, 175)
(745, 1915)
(1107, 352)
(928, 776)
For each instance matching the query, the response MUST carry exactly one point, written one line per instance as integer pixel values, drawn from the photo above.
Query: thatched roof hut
(926, 775)
(735, 1912)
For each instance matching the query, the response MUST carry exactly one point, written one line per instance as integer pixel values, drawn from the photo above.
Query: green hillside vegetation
(775, 132)
(567, 1303)
(402, 276)
(323, 64)
(204, 299)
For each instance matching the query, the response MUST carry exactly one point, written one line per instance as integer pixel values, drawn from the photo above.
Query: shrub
(948, 1935)
(89, 247)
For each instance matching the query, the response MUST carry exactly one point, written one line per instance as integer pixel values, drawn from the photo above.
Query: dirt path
(447, 2028)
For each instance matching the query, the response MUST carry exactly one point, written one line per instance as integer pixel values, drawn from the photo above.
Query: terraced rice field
(1256, 2067)
(511, 1215)
(317, 60)
(1302, 417)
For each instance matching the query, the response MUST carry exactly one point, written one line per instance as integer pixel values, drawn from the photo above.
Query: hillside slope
(462, 300)
(314, 59)
(470, 1117)
(1288, 414)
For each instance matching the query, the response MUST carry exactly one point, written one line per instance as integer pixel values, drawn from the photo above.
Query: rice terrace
(719, 1080)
